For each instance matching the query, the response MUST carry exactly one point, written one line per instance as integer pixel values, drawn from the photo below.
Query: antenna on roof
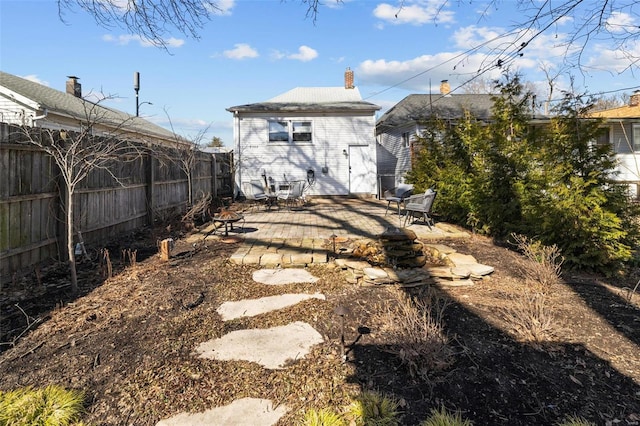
(136, 87)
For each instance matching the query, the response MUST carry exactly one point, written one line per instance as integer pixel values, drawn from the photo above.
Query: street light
(138, 107)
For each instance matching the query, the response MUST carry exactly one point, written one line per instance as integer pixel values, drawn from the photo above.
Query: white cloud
(614, 60)
(125, 39)
(224, 7)
(241, 51)
(619, 22)
(35, 79)
(416, 12)
(305, 54)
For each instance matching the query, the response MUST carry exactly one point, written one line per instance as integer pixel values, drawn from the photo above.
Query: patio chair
(397, 195)
(254, 192)
(421, 205)
(293, 194)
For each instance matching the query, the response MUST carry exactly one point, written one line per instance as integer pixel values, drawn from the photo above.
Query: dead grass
(412, 328)
(529, 314)
(541, 265)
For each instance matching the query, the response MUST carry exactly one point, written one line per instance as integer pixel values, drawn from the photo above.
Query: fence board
(144, 190)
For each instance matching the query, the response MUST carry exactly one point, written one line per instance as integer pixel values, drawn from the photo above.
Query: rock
(448, 272)
(357, 264)
(453, 283)
(375, 273)
(398, 234)
(479, 270)
(461, 259)
(440, 248)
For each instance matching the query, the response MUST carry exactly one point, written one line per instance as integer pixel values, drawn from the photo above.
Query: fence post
(150, 178)
(214, 175)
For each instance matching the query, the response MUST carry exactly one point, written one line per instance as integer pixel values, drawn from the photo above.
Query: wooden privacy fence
(150, 187)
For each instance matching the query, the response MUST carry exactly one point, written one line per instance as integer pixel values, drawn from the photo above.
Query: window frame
(293, 136)
(406, 139)
(635, 135)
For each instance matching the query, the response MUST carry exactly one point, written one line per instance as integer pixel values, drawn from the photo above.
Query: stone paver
(241, 412)
(253, 307)
(283, 276)
(272, 347)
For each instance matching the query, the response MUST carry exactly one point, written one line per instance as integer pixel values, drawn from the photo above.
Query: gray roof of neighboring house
(414, 108)
(311, 99)
(66, 104)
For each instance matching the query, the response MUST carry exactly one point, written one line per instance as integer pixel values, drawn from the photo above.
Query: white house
(623, 124)
(324, 135)
(398, 128)
(24, 102)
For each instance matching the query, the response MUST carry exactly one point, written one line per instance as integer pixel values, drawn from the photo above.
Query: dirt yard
(128, 342)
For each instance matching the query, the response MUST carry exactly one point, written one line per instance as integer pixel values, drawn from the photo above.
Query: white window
(278, 131)
(291, 131)
(636, 137)
(406, 139)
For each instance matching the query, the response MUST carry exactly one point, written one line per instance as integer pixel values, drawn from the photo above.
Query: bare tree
(610, 101)
(77, 153)
(184, 153)
(592, 21)
(154, 20)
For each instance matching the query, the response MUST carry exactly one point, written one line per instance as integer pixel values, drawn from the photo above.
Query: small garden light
(342, 311)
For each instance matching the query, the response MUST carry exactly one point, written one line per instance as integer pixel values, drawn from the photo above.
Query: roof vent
(634, 99)
(73, 86)
(348, 79)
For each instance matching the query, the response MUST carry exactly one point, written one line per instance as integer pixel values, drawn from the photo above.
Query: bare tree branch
(98, 145)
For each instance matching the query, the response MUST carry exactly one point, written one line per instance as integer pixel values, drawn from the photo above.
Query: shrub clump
(49, 406)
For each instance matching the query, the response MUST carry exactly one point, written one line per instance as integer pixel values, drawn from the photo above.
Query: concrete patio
(302, 236)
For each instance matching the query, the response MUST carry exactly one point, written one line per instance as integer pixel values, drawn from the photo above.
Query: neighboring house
(324, 135)
(623, 124)
(398, 128)
(24, 102)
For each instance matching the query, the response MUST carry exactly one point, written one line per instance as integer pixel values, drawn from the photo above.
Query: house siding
(394, 159)
(283, 161)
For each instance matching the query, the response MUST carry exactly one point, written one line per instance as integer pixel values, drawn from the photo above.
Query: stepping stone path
(273, 348)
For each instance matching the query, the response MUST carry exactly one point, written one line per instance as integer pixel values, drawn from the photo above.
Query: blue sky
(253, 50)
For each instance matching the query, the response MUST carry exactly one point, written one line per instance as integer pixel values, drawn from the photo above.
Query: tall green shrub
(550, 182)
(579, 207)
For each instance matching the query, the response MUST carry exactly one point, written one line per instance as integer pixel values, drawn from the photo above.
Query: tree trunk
(70, 248)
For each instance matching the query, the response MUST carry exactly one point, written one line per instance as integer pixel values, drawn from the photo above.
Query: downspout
(238, 156)
(45, 113)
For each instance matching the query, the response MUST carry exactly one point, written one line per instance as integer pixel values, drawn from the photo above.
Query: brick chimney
(348, 79)
(445, 87)
(73, 86)
(634, 99)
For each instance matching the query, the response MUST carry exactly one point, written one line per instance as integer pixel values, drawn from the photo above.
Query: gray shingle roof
(65, 104)
(311, 99)
(447, 107)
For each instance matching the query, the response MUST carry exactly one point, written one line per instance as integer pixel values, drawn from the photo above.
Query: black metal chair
(397, 195)
(254, 192)
(421, 205)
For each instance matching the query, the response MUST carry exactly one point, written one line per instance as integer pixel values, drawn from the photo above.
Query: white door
(361, 170)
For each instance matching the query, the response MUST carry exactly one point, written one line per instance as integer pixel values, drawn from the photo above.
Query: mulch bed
(128, 342)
